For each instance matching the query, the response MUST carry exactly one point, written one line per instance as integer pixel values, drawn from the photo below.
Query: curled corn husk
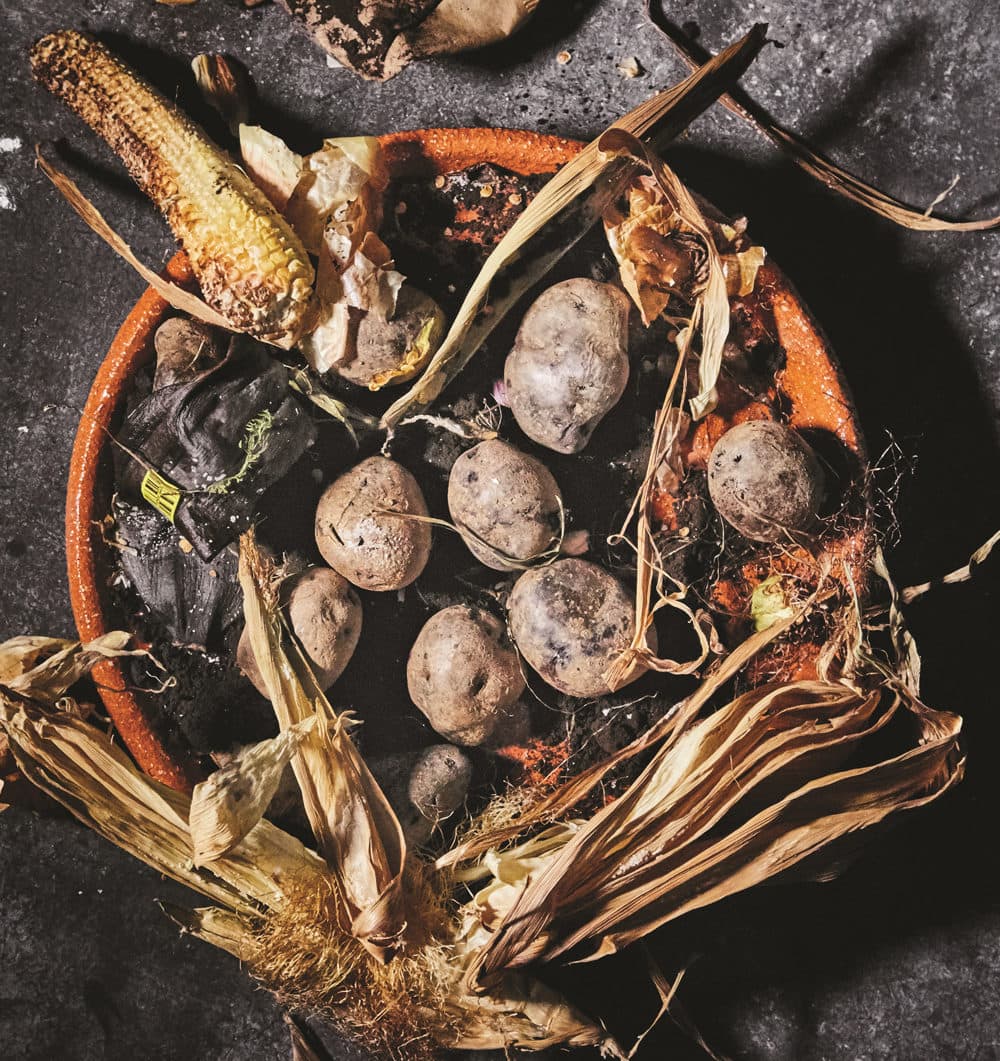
(355, 829)
(251, 266)
(226, 806)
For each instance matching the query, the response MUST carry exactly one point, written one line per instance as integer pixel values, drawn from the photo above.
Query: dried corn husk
(960, 574)
(278, 902)
(826, 172)
(355, 828)
(173, 294)
(235, 797)
(562, 213)
(95, 780)
(769, 763)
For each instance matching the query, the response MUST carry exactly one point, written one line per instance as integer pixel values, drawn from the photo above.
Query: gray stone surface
(901, 957)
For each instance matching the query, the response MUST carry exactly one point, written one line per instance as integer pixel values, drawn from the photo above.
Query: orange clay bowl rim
(811, 368)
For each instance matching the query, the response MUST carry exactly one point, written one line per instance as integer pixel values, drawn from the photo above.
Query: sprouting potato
(388, 352)
(466, 678)
(569, 365)
(439, 781)
(358, 534)
(571, 621)
(765, 480)
(324, 614)
(499, 496)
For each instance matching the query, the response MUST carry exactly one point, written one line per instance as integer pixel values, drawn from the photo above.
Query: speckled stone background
(898, 959)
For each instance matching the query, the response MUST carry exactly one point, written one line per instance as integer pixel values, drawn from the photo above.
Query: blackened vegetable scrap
(196, 602)
(218, 441)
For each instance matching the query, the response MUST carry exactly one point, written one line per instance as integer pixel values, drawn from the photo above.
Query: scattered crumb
(630, 67)
(439, 181)
(564, 57)
(400, 207)
(515, 198)
(331, 62)
(184, 545)
(486, 191)
(9, 144)
(22, 429)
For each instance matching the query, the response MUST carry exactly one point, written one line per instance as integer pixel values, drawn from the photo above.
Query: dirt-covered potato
(184, 348)
(324, 613)
(466, 678)
(569, 364)
(387, 352)
(571, 621)
(507, 500)
(765, 480)
(439, 781)
(357, 534)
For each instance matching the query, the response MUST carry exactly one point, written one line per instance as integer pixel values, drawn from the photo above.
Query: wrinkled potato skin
(324, 613)
(765, 480)
(381, 345)
(465, 678)
(439, 781)
(569, 365)
(571, 621)
(375, 551)
(508, 499)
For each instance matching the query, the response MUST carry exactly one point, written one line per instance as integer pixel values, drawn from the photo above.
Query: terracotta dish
(811, 384)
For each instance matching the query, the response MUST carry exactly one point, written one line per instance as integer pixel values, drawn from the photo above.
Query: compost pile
(602, 589)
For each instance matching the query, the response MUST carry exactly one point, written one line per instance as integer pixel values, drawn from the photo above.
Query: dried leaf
(961, 574)
(43, 668)
(272, 165)
(462, 25)
(226, 806)
(355, 828)
(565, 209)
(170, 292)
(225, 86)
(907, 658)
(339, 188)
(826, 172)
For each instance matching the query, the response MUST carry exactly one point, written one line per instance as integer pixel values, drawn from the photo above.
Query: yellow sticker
(161, 493)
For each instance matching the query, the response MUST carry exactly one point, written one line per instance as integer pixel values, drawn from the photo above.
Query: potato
(506, 499)
(371, 547)
(184, 348)
(571, 621)
(466, 678)
(325, 615)
(439, 781)
(392, 773)
(388, 352)
(765, 480)
(569, 364)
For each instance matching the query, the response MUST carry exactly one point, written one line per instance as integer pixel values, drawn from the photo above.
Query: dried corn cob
(251, 266)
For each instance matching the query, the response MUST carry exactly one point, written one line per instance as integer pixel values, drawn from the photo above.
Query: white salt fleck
(6, 200)
(9, 144)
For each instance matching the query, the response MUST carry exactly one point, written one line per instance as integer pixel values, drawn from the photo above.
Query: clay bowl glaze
(812, 385)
